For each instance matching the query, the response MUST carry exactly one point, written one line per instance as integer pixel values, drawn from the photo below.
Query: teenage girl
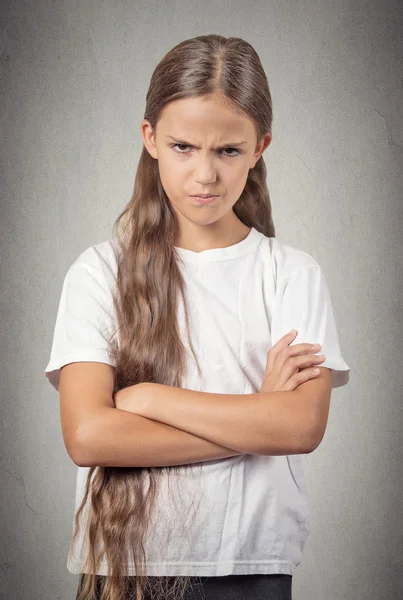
(185, 401)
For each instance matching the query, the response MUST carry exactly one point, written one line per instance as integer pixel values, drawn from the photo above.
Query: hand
(289, 366)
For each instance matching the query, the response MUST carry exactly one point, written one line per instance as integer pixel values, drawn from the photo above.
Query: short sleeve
(84, 326)
(302, 302)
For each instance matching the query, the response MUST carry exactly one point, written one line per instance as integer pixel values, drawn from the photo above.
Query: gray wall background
(73, 81)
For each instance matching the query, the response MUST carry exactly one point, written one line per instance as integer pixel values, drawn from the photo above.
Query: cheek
(237, 171)
(171, 164)
(170, 172)
(239, 177)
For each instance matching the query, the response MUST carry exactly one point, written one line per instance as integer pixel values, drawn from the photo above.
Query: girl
(183, 402)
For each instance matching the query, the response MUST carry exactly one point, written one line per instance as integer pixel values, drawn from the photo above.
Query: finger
(307, 360)
(303, 376)
(286, 339)
(301, 349)
(298, 364)
(282, 343)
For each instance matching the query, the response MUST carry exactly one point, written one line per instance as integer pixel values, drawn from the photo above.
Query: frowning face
(203, 147)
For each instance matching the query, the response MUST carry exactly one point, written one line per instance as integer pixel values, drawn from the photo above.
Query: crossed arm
(154, 425)
(261, 423)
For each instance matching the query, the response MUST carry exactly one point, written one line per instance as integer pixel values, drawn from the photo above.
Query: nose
(205, 171)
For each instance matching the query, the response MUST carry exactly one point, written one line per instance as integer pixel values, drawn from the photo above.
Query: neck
(198, 238)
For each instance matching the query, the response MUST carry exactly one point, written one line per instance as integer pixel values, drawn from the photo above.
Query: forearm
(272, 423)
(118, 437)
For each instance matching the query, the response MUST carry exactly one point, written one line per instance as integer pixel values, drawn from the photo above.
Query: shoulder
(288, 260)
(98, 259)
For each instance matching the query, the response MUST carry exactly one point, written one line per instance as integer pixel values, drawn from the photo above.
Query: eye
(238, 152)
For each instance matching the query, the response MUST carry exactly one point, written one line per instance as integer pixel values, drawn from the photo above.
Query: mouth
(204, 199)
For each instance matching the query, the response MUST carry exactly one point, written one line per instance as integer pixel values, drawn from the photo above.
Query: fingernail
(293, 331)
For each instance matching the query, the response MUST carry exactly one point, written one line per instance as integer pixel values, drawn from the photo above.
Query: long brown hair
(148, 283)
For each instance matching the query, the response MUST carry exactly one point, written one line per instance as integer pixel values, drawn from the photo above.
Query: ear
(148, 135)
(261, 147)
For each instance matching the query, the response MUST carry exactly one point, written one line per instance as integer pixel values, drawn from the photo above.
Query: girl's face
(203, 147)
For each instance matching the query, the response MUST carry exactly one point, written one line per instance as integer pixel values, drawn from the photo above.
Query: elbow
(314, 432)
(314, 441)
(78, 450)
(306, 441)
(77, 455)
(309, 448)
(305, 447)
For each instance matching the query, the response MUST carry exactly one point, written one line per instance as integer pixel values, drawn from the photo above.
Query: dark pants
(233, 587)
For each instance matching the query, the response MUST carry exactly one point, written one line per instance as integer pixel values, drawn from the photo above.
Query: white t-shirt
(252, 512)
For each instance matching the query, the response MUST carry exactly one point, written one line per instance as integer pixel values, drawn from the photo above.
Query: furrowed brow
(225, 145)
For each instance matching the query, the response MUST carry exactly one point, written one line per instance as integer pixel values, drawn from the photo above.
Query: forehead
(200, 116)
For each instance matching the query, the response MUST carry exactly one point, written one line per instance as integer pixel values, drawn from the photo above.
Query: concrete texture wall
(73, 81)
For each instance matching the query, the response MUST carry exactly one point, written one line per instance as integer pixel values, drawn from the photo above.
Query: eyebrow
(177, 141)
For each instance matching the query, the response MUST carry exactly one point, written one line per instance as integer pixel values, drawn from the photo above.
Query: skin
(209, 163)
